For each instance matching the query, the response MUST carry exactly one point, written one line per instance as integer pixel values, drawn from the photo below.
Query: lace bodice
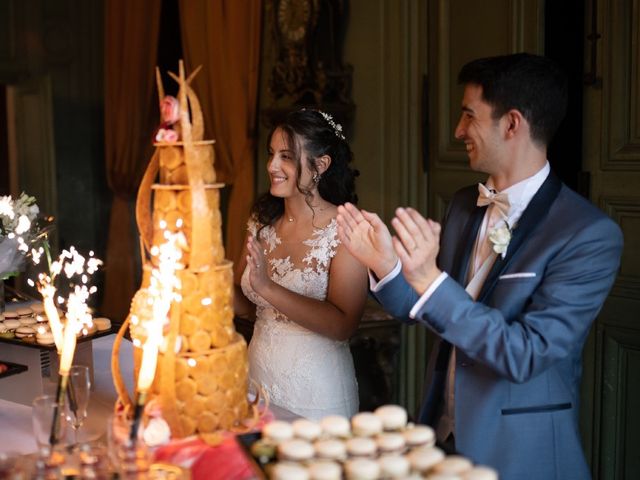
(307, 276)
(302, 371)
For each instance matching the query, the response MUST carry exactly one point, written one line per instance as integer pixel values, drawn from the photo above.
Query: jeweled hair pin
(337, 128)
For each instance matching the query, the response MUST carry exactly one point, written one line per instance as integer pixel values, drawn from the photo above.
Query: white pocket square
(517, 275)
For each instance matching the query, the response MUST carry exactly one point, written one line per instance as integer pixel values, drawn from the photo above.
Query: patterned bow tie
(500, 200)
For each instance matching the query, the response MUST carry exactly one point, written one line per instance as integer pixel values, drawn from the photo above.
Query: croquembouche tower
(201, 374)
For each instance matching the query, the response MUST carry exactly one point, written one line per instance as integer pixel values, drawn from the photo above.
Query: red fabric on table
(226, 461)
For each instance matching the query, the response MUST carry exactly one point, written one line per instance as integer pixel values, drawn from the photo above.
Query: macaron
(37, 308)
(422, 459)
(324, 470)
(22, 332)
(306, 429)
(330, 449)
(102, 323)
(41, 328)
(278, 431)
(335, 426)
(480, 472)
(289, 471)
(419, 435)
(394, 417)
(361, 447)
(393, 466)
(44, 338)
(366, 424)
(27, 321)
(362, 469)
(24, 312)
(10, 315)
(455, 464)
(11, 323)
(89, 329)
(26, 334)
(296, 450)
(390, 442)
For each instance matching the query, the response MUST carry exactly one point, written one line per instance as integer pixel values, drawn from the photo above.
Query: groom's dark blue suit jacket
(519, 347)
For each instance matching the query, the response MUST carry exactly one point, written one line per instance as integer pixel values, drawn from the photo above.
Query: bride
(306, 289)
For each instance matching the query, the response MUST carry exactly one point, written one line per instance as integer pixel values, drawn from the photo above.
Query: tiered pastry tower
(201, 384)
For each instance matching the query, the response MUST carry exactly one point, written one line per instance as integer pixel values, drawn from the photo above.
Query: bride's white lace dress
(302, 371)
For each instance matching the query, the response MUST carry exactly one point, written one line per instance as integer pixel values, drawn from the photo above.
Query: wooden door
(611, 392)
(459, 31)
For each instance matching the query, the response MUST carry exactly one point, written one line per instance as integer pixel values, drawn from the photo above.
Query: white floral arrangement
(19, 228)
(500, 236)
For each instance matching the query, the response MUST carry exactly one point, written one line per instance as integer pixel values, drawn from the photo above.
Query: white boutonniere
(500, 236)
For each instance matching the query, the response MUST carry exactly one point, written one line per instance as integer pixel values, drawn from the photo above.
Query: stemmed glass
(44, 407)
(78, 398)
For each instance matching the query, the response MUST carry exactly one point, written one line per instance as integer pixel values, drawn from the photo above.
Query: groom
(510, 283)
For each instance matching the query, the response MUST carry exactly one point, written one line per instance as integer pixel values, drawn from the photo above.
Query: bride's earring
(316, 178)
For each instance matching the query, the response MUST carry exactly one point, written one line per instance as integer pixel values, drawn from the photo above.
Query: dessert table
(40, 364)
(16, 435)
(15, 418)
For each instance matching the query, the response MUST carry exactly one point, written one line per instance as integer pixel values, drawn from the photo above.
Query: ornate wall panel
(468, 30)
(620, 419)
(621, 88)
(440, 205)
(626, 212)
(611, 153)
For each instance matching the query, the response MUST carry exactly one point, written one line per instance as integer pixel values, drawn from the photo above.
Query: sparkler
(160, 293)
(72, 264)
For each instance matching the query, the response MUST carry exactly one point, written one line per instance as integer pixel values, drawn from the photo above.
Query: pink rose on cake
(169, 110)
(170, 114)
(166, 135)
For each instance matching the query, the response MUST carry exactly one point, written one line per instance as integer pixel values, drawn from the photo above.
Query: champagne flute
(44, 408)
(78, 398)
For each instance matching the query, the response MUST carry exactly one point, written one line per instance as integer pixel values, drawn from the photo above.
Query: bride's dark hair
(316, 134)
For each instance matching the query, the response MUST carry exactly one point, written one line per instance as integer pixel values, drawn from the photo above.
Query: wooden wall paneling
(461, 30)
(620, 353)
(611, 152)
(621, 129)
(387, 48)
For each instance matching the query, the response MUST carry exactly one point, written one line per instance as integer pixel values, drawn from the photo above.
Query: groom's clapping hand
(367, 238)
(417, 244)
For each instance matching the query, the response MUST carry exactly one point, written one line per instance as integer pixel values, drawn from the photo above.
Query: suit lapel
(469, 234)
(535, 212)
